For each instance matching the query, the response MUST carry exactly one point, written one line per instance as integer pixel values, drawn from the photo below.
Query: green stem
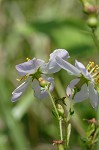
(96, 41)
(53, 104)
(60, 146)
(60, 127)
(97, 147)
(66, 137)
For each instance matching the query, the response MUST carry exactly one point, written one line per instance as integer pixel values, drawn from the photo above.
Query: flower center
(94, 71)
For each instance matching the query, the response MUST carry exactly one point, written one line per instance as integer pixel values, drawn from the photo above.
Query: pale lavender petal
(82, 94)
(19, 91)
(69, 91)
(73, 83)
(36, 87)
(68, 67)
(82, 68)
(93, 95)
(52, 66)
(39, 91)
(51, 80)
(62, 53)
(29, 67)
(70, 87)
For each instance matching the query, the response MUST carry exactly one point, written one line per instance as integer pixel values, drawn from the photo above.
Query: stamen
(97, 80)
(95, 75)
(28, 59)
(90, 65)
(94, 71)
(21, 78)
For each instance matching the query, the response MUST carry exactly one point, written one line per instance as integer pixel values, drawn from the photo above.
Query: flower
(85, 85)
(35, 71)
(28, 71)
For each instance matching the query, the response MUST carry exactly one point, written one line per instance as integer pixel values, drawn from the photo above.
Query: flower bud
(89, 9)
(43, 82)
(60, 109)
(92, 21)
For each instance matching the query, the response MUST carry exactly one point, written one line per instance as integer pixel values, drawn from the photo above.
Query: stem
(66, 137)
(96, 41)
(53, 104)
(60, 127)
(97, 147)
(66, 143)
(60, 146)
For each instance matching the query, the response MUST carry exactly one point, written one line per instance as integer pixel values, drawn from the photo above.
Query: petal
(69, 91)
(62, 53)
(29, 67)
(67, 66)
(82, 68)
(51, 80)
(93, 95)
(36, 87)
(19, 91)
(82, 94)
(73, 83)
(70, 87)
(40, 92)
(52, 66)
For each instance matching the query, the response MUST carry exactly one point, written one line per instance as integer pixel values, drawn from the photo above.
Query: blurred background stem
(95, 39)
(15, 130)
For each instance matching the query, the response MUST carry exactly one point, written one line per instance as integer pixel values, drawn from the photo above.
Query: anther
(90, 66)
(28, 59)
(20, 79)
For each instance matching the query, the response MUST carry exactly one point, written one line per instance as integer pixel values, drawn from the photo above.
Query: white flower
(85, 85)
(34, 71)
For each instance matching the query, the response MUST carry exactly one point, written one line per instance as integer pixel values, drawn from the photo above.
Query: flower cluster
(84, 86)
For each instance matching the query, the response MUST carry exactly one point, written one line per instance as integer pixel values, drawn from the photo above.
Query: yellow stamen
(20, 79)
(28, 59)
(90, 65)
(94, 71)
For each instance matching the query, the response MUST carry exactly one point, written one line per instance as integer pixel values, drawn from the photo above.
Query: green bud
(90, 9)
(60, 109)
(92, 21)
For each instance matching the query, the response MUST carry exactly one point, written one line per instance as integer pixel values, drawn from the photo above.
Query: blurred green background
(35, 28)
